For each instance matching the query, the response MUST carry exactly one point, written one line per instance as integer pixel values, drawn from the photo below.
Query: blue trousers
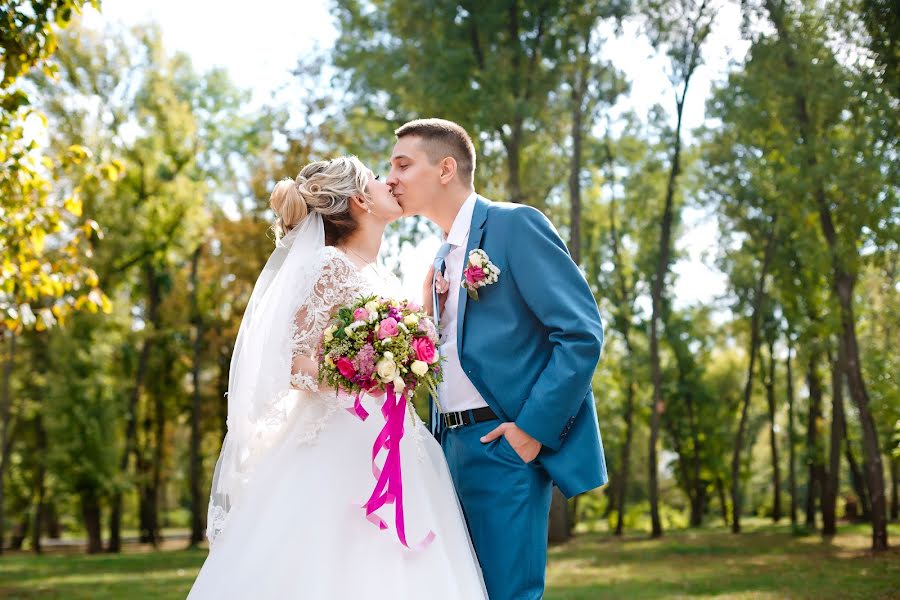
(507, 504)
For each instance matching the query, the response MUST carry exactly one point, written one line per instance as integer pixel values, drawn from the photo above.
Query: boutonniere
(478, 273)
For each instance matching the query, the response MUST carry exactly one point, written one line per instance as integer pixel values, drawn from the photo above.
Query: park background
(724, 173)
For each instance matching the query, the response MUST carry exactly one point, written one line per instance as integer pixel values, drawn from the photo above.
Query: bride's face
(383, 204)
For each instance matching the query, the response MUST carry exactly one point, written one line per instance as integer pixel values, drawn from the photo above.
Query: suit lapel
(476, 231)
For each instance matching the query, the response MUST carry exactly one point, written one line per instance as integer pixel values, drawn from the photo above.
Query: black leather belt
(467, 417)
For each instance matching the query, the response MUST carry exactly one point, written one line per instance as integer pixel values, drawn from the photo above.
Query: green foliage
(28, 33)
(637, 518)
(45, 233)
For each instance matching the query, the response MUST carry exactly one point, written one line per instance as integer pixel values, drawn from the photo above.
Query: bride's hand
(427, 297)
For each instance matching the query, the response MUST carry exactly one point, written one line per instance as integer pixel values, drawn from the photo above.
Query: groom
(515, 413)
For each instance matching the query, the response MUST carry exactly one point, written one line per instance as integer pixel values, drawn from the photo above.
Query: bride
(284, 516)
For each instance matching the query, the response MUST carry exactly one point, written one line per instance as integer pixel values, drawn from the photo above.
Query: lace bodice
(339, 283)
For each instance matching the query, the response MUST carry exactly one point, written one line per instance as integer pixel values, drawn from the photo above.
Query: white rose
(476, 259)
(399, 384)
(329, 333)
(419, 367)
(411, 320)
(386, 368)
(372, 307)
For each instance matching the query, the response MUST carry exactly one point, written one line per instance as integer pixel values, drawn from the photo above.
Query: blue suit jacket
(531, 342)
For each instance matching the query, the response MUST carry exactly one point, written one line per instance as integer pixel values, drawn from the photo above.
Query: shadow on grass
(769, 562)
(151, 575)
(765, 562)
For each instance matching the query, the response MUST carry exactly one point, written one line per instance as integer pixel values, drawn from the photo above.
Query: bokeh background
(724, 172)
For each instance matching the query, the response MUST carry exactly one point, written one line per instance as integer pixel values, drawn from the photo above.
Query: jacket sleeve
(556, 292)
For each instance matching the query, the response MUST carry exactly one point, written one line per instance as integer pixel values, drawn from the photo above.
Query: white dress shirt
(456, 392)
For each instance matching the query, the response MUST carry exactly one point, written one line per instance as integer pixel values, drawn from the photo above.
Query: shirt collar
(463, 222)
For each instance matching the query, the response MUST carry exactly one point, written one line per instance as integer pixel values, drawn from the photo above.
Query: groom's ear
(448, 170)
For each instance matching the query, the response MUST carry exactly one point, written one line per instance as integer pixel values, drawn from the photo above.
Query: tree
(42, 276)
(843, 216)
(679, 28)
(509, 53)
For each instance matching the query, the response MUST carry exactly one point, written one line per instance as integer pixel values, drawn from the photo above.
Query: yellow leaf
(74, 205)
(37, 240)
(77, 153)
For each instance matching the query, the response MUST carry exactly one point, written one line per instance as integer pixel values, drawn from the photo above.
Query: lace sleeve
(336, 286)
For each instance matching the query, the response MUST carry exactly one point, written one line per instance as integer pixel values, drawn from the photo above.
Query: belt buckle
(453, 420)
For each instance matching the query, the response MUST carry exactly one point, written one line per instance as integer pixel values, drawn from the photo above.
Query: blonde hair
(325, 187)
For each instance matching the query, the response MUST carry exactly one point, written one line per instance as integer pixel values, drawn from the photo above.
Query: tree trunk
(5, 424)
(626, 459)
(513, 145)
(843, 282)
(698, 506)
(197, 505)
(832, 484)
(20, 532)
(662, 267)
(874, 469)
(559, 530)
(575, 166)
(90, 512)
(792, 469)
(612, 493)
(895, 474)
(857, 480)
(40, 484)
(115, 526)
(54, 530)
(769, 383)
(758, 300)
(115, 522)
(623, 321)
(158, 461)
(149, 463)
(814, 454)
(224, 363)
(723, 502)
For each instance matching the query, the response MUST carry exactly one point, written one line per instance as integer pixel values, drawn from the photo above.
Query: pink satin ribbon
(389, 480)
(357, 408)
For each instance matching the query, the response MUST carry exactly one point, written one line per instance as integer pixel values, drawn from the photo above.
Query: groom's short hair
(442, 138)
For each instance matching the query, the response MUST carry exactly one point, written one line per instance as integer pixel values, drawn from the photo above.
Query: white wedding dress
(293, 527)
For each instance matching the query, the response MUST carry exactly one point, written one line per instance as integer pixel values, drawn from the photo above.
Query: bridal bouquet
(389, 348)
(376, 343)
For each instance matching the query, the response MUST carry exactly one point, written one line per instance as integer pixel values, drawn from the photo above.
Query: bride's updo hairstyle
(325, 187)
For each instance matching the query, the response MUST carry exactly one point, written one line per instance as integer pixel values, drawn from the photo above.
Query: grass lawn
(764, 562)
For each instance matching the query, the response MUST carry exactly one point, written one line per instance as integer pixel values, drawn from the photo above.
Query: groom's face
(413, 179)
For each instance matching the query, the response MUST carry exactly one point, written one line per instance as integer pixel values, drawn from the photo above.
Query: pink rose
(474, 274)
(387, 328)
(360, 314)
(424, 349)
(345, 366)
(413, 307)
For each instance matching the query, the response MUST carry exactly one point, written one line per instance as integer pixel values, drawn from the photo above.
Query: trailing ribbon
(389, 480)
(357, 408)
